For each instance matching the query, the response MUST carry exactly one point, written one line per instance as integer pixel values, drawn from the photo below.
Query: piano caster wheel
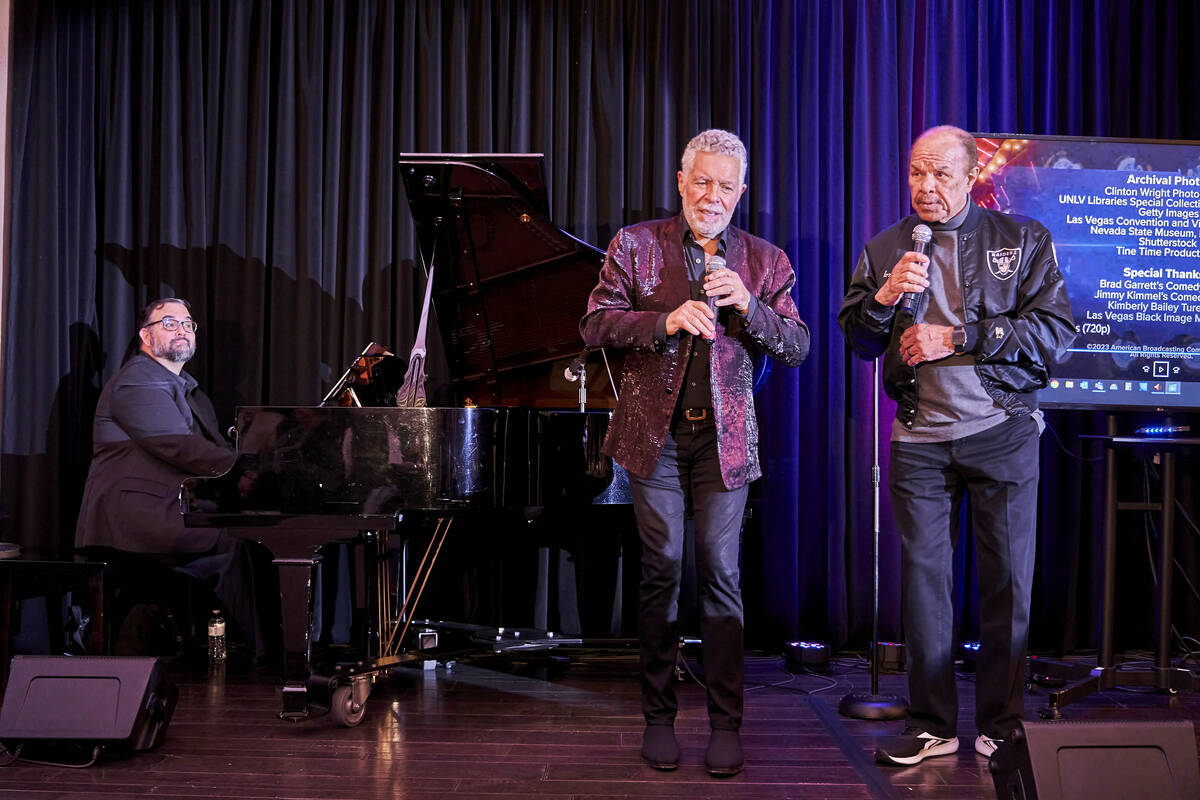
(343, 709)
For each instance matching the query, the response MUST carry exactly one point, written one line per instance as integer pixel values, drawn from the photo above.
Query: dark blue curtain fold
(51, 351)
(242, 154)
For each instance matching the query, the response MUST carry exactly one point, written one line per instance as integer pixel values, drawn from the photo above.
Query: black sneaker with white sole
(914, 746)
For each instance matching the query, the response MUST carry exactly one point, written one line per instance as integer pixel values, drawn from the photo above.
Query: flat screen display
(1125, 218)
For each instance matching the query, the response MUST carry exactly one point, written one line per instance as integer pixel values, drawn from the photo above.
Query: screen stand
(1106, 675)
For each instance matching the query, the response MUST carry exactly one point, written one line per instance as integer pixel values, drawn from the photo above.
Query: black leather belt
(696, 414)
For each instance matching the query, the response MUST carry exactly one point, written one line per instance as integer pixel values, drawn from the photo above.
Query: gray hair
(964, 139)
(714, 140)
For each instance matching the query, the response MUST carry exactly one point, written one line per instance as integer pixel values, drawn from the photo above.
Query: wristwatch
(958, 338)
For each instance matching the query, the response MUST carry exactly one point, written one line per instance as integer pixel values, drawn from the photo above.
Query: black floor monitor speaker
(116, 704)
(1091, 760)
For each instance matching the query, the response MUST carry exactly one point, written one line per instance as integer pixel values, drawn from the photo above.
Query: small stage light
(800, 656)
(968, 653)
(1162, 430)
(891, 656)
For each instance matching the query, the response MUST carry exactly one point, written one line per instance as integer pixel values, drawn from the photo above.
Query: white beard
(706, 230)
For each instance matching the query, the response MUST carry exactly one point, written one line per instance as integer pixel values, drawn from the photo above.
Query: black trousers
(689, 469)
(247, 585)
(998, 469)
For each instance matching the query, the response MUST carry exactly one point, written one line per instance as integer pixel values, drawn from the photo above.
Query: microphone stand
(874, 705)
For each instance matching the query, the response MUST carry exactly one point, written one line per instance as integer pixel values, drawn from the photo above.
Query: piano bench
(150, 608)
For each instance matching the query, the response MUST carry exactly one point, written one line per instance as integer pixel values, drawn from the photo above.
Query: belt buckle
(695, 414)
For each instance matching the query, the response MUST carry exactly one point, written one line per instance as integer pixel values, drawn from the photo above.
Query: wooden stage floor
(493, 728)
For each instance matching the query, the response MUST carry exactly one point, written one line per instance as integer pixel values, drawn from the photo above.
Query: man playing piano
(688, 298)
(154, 428)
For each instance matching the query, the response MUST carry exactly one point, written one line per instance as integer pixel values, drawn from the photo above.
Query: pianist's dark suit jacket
(644, 278)
(153, 428)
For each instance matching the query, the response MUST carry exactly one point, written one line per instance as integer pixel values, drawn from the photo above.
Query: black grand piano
(507, 289)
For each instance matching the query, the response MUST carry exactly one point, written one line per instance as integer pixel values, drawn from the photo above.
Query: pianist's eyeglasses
(170, 323)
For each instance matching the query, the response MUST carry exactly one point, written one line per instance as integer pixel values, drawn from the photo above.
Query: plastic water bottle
(216, 638)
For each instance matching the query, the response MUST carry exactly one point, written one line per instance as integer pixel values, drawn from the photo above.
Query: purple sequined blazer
(644, 278)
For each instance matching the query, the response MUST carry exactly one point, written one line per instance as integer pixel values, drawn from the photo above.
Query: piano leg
(343, 684)
(343, 687)
(296, 600)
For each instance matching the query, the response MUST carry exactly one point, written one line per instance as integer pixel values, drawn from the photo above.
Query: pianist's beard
(178, 349)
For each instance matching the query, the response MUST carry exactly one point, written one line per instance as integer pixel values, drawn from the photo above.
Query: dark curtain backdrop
(241, 154)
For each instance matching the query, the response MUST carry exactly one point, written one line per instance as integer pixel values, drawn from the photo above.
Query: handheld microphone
(922, 237)
(712, 265)
(575, 368)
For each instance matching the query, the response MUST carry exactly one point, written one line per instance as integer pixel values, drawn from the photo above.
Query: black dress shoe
(724, 754)
(659, 748)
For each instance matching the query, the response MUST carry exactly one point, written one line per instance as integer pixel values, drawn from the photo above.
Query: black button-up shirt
(697, 390)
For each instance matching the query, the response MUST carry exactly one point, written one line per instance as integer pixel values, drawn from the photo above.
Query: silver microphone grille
(922, 234)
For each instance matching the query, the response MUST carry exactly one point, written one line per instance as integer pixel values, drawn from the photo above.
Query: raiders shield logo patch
(1003, 263)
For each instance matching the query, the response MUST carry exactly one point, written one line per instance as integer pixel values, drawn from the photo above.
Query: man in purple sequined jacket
(688, 298)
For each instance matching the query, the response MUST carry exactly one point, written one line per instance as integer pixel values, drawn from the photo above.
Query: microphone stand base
(873, 706)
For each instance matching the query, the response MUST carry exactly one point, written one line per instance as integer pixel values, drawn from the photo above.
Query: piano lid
(509, 285)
